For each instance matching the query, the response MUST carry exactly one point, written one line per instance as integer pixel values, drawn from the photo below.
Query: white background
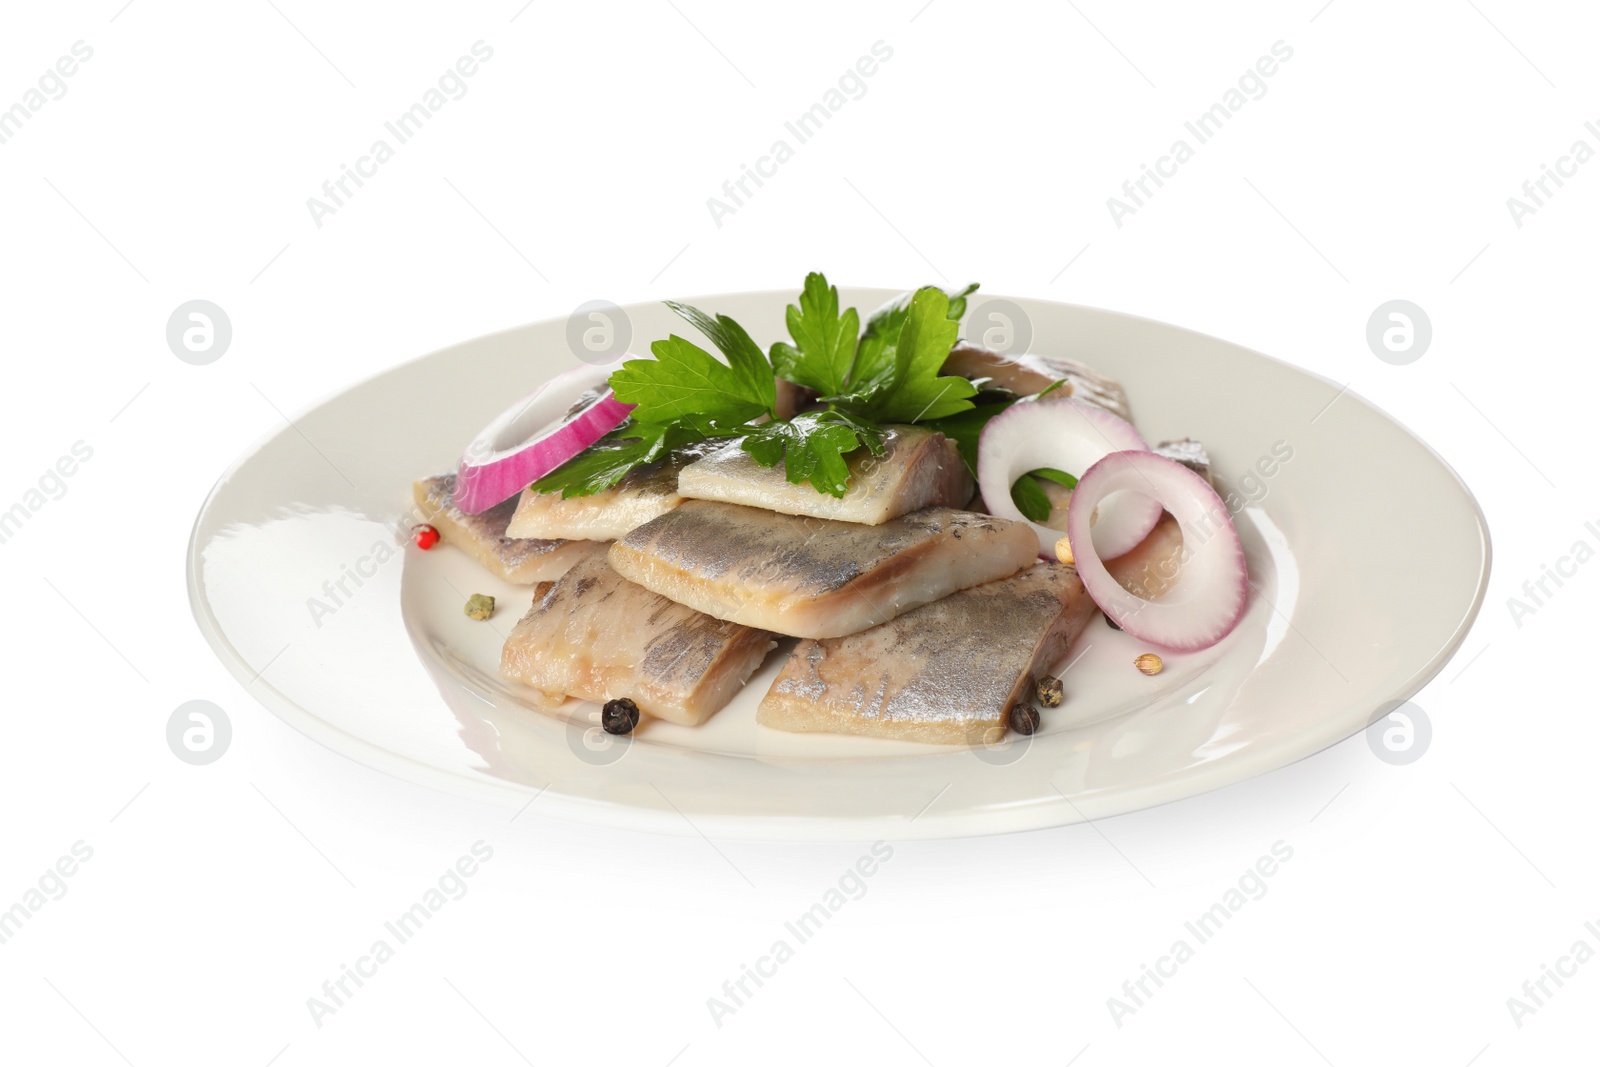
(1377, 166)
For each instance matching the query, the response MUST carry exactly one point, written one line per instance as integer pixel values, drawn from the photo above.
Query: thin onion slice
(536, 435)
(1207, 598)
(1069, 435)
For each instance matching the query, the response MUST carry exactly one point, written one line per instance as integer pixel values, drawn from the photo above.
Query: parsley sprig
(865, 378)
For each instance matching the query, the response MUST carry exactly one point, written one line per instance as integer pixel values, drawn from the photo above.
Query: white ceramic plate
(1368, 555)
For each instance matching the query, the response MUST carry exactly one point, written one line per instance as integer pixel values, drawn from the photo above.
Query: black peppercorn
(1024, 719)
(619, 716)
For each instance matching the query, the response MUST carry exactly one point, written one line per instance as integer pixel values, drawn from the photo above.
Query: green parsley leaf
(603, 464)
(925, 342)
(745, 358)
(912, 390)
(824, 340)
(875, 353)
(1030, 499)
(812, 447)
(684, 380)
(889, 374)
(1053, 475)
(871, 433)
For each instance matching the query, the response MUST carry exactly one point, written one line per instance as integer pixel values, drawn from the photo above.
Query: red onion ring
(1207, 598)
(1069, 435)
(536, 435)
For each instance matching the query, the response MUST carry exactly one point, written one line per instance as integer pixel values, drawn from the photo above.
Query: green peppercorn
(1048, 690)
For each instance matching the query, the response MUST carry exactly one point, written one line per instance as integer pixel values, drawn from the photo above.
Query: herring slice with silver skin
(596, 636)
(948, 673)
(520, 561)
(1189, 452)
(920, 468)
(809, 577)
(1026, 375)
(641, 495)
(1152, 567)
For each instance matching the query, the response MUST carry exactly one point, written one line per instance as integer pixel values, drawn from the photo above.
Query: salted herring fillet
(920, 468)
(596, 636)
(947, 673)
(810, 577)
(1026, 375)
(1189, 452)
(1151, 567)
(641, 495)
(484, 538)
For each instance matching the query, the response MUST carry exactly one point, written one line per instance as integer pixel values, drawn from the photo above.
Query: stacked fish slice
(919, 616)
